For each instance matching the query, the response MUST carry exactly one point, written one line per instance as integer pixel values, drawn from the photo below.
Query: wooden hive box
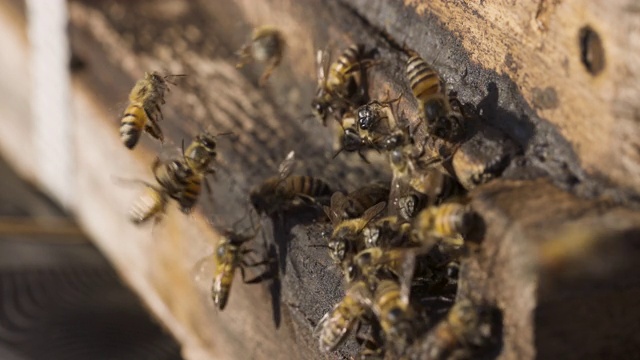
(555, 83)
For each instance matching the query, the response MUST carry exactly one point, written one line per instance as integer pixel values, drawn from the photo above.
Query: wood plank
(530, 111)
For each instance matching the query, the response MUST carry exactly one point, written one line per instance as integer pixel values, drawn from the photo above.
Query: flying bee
(395, 315)
(387, 232)
(266, 46)
(466, 329)
(152, 203)
(143, 112)
(355, 203)
(230, 254)
(443, 119)
(198, 158)
(346, 239)
(451, 222)
(339, 85)
(276, 193)
(335, 325)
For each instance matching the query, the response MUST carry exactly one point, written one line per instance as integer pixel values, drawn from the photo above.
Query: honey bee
(276, 193)
(230, 254)
(387, 232)
(143, 112)
(395, 314)
(338, 86)
(346, 239)
(355, 203)
(466, 328)
(451, 222)
(443, 119)
(198, 157)
(335, 325)
(373, 118)
(266, 46)
(152, 203)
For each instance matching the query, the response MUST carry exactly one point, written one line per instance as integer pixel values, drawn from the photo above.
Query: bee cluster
(398, 245)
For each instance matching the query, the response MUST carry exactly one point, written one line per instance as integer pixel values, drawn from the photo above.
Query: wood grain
(565, 160)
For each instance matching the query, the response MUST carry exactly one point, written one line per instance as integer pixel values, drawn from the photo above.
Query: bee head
(208, 142)
(351, 272)
(351, 140)
(434, 110)
(337, 249)
(366, 117)
(319, 108)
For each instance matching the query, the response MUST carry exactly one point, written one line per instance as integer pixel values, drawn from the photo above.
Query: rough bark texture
(561, 135)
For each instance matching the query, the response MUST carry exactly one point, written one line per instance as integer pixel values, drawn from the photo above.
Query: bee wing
(287, 165)
(322, 64)
(373, 211)
(338, 203)
(202, 273)
(406, 275)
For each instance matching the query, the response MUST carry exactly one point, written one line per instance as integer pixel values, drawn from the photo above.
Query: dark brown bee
(442, 119)
(372, 128)
(466, 328)
(374, 120)
(266, 46)
(346, 238)
(278, 192)
(231, 254)
(339, 84)
(143, 111)
(335, 325)
(355, 203)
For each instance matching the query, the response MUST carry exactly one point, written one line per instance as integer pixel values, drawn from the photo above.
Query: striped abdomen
(190, 193)
(132, 124)
(341, 71)
(335, 325)
(448, 220)
(391, 310)
(226, 257)
(425, 82)
(152, 202)
(305, 185)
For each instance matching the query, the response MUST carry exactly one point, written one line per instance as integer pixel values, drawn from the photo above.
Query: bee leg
(363, 157)
(268, 70)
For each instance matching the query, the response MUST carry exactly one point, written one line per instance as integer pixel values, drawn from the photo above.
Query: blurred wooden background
(556, 84)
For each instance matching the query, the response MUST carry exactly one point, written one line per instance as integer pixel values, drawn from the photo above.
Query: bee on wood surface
(339, 85)
(443, 119)
(374, 120)
(276, 193)
(355, 203)
(152, 203)
(451, 222)
(266, 46)
(231, 254)
(143, 112)
(387, 232)
(395, 314)
(466, 328)
(335, 325)
(346, 238)
(371, 129)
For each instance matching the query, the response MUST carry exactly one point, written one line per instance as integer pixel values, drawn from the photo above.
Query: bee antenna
(337, 152)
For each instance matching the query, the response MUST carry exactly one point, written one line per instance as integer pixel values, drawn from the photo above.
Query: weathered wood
(515, 73)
